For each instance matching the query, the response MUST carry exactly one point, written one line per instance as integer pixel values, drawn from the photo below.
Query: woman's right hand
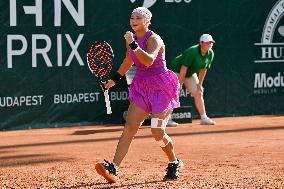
(109, 84)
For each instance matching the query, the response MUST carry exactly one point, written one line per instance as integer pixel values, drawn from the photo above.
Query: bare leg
(159, 133)
(169, 151)
(199, 103)
(191, 86)
(134, 120)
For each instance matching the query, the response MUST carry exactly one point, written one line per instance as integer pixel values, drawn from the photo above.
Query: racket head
(100, 59)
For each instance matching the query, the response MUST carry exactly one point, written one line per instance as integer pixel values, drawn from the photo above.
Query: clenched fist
(129, 37)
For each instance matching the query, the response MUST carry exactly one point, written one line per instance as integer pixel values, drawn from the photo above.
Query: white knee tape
(165, 141)
(155, 123)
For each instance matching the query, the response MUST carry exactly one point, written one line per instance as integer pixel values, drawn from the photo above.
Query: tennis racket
(100, 62)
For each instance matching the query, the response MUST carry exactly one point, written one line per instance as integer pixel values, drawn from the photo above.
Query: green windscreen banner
(45, 80)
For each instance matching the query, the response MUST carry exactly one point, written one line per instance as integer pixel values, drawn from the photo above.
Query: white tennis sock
(115, 166)
(175, 162)
(203, 116)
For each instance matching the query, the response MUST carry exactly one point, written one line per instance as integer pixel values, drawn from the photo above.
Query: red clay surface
(239, 152)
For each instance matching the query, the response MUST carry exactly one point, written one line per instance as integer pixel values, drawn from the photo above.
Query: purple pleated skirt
(155, 93)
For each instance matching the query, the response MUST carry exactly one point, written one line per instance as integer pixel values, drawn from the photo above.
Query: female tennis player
(154, 89)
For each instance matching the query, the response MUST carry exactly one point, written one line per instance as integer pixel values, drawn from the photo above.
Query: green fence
(45, 81)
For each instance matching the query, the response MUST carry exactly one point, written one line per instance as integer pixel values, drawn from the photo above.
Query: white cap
(206, 38)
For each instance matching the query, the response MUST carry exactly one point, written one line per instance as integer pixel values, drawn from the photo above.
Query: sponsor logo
(265, 84)
(271, 49)
(181, 115)
(150, 3)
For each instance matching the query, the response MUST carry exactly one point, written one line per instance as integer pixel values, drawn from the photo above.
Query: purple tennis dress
(155, 89)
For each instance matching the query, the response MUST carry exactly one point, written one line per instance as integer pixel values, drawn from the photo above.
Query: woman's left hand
(109, 84)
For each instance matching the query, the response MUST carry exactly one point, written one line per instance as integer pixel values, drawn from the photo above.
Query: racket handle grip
(107, 102)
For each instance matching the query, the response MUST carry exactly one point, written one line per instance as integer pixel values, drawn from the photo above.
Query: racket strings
(101, 53)
(100, 57)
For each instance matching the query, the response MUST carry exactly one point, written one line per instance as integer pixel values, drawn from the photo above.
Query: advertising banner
(45, 80)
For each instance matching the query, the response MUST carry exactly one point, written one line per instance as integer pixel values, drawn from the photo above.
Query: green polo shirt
(192, 59)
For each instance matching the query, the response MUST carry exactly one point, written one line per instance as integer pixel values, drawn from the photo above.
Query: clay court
(240, 152)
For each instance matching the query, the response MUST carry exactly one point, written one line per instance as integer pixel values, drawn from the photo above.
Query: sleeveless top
(158, 66)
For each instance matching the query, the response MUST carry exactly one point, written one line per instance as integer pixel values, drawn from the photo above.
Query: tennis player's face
(138, 22)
